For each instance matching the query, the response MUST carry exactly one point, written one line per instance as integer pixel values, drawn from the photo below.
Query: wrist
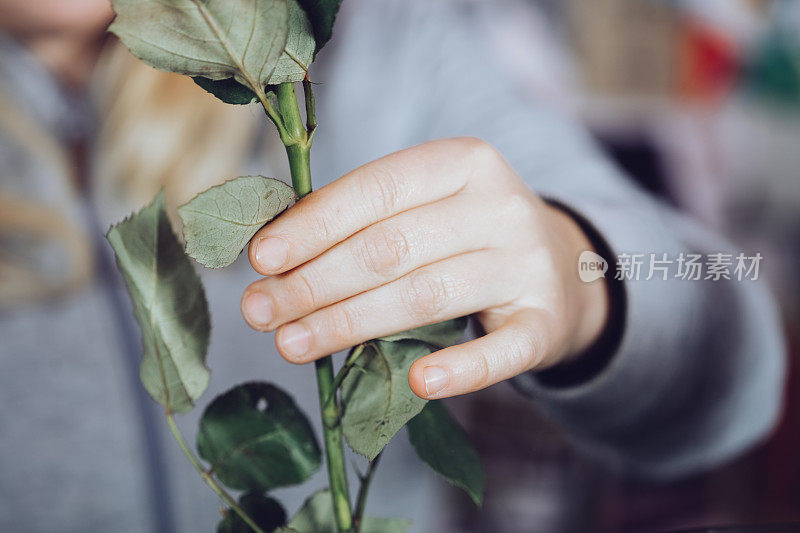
(588, 304)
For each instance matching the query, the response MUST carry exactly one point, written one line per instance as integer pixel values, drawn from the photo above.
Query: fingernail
(271, 253)
(295, 340)
(258, 309)
(436, 379)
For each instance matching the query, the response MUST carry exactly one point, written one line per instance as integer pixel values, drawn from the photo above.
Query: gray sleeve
(698, 375)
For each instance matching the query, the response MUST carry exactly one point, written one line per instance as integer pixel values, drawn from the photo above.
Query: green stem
(311, 107)
(290, 112)
(299, 156)
(355, 353)
(363, 490)
(209, 478)
(273, 115)
(334, 446)
(298, 148)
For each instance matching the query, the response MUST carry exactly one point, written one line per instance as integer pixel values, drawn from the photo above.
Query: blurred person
(658, 379)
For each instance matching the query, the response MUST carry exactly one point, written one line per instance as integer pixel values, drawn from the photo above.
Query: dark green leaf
(228, 90)
(442, 443)
(255, 438)
(440, 335)
(322, 14)
(316, 516)
(215, 39)
(267, 513)
(376, 396)
(169, 303)
(218, 223)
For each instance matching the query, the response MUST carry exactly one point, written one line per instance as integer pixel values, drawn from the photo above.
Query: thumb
(519, 345)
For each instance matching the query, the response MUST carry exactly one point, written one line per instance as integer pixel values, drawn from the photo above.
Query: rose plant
(253, 438)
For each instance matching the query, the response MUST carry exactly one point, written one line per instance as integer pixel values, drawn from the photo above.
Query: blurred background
(699, 101)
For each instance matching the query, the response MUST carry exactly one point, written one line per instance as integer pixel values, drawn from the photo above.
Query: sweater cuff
(623, 374)
(595, 359)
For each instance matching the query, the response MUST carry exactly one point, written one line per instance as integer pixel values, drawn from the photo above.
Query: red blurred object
(708, 64)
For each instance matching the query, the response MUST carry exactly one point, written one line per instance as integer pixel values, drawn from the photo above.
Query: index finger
(371, 193)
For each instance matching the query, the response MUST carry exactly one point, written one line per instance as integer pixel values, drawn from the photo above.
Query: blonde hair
(161, 130)
(156, 130)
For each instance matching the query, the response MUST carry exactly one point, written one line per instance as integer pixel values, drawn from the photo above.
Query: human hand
(434, 232)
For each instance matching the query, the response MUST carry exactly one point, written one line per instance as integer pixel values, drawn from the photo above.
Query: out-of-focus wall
(625, 48)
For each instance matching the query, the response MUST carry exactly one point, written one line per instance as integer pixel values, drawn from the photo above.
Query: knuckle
(482, 154)
(325, 231)
(301, 290)
(386, 250)
(382, 189)
(427, 295)
(523, 354)
(530, 349)
(481, 372)
(319, 221)
(343, 324)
